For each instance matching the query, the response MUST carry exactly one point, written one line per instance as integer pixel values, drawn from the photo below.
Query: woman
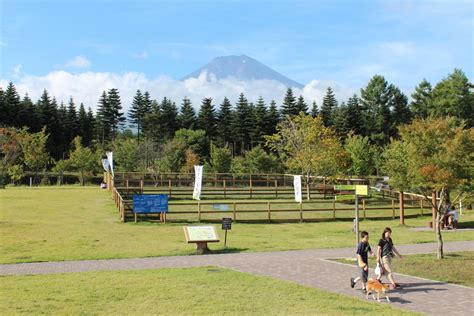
(385, 252)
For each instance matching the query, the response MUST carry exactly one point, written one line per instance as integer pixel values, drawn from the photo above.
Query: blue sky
(339, 42)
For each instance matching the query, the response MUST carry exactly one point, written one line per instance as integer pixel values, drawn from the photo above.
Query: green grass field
(77, 223)
(455, 268)
(173, 292)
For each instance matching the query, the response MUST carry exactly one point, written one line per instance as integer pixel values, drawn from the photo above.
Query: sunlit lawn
(173, 292)
(74, 223)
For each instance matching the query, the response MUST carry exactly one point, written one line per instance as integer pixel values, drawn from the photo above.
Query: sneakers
(364, 291)
(352, 283)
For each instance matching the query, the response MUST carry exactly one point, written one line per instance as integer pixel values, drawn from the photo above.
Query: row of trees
(376, 114)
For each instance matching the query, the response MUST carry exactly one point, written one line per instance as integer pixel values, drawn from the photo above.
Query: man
(363, 248)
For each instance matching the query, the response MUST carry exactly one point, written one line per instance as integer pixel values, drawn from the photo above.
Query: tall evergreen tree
(114, 115)
(289, 104)
(341, 121)
(328, 108)
(314, 110)
(207, 118)
(400, 112)
(32, 117)
(136, 112)
(48, 109)
(169, 118)
(241, 125)
(102, 127)
(376, 110)
(3, 109)
(354, 115)
(224, 122)
(453, 96)
(187, 115)
(11, 105)
(71, 123)
(260, 115)
(152, 128)
(421, 99)
(273, 118)
(301, 105)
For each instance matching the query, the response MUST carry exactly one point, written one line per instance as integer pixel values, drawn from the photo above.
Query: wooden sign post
(201, 235)
(226, 225)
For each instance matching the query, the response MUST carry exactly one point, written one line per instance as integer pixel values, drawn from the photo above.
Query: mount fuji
(242, 68)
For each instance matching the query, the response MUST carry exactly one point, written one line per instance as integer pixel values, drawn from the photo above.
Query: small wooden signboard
(201, 235)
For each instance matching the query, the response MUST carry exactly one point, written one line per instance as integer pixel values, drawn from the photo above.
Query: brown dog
(378, 287)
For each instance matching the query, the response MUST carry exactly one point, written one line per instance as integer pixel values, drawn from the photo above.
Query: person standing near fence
(385, 253)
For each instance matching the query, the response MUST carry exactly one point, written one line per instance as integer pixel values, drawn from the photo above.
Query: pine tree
(301, 105)
(169, 118)
(224, 122)
(114, 115)
(273, 118)
(254, 133)
(289, 104)
(152, 128)
(328, 108)
(102, 127)
(71, 121)
(88, 128)
(136, 112)
(260, 114)
(341, 121)
(421, 99)
(3, 110)
(376, 110)
(400, 112)
(11, 100)
(207, 118)
(241, 125)
(453, 96)
(354, 115)
(187, 115)
(32, 118)
(314, 110)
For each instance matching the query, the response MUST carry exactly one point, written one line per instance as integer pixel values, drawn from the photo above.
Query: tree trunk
(439, 238)
(308, 192)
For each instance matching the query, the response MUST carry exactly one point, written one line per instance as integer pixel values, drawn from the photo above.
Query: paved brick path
(306, 267)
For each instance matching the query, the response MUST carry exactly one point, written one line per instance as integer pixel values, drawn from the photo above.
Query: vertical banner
(197, 182)
(297, 185)
(105, 164)
(110, 158)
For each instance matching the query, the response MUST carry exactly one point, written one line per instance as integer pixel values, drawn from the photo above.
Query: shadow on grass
(227, 250)
(466, 225)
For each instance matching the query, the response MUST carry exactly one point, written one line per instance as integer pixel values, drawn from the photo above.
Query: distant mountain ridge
(242, 68)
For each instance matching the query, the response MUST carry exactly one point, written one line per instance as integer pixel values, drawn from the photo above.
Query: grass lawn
(173, 292)
(76, 223)
(456, 268)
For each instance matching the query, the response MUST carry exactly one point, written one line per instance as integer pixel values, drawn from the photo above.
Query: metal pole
(225, 240)
(357, 218)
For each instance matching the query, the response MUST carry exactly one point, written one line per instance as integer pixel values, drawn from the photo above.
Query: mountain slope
(242, 68)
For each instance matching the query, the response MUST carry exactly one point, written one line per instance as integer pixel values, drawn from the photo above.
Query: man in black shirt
(363, 248)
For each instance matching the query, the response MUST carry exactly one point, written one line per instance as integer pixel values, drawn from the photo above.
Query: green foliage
(307, 147)
(174, 155)
(289, 107)
(33, 146)
(168, 118)
(256, 161)
(126, 154)
(224, 122)
(207, 118)
(195, 140)
(10, 150)
(16, 173)
(328, 108)
(361, 154)
(221, 159)
(421, 99)
(453, 96)
(187, 115)
(242, 125)
(83, 160)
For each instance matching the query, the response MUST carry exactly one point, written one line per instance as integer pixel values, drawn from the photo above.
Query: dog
(378, 287)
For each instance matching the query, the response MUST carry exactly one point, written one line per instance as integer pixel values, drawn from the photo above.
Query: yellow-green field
(76, 223)
(202, 291)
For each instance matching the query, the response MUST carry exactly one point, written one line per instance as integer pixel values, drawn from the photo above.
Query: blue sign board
(222, 207)
(150, 203)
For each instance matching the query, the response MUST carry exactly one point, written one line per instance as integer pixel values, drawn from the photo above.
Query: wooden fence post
(393, 209)
(141, 185)
(199, 211)
(223, 183)
(363, 207)
(276, 188)
(402, 207)
(250, 186)
(334, 209)
(126, 183)
(301, 212)
(169, 188)
(421, 206)
(235, 211)
(269, 212)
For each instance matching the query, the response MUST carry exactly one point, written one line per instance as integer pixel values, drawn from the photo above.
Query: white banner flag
(105, 164)
(297, 185)
(110, 158)
(197, 182)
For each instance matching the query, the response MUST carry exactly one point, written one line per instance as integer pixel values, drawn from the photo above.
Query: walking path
(306, 267)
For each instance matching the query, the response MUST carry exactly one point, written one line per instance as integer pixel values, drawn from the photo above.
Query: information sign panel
(150, 203)
(200, 234)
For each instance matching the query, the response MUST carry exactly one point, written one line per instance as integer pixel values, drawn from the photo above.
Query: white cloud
(87, 87)
(78, 62)
(16, 71)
